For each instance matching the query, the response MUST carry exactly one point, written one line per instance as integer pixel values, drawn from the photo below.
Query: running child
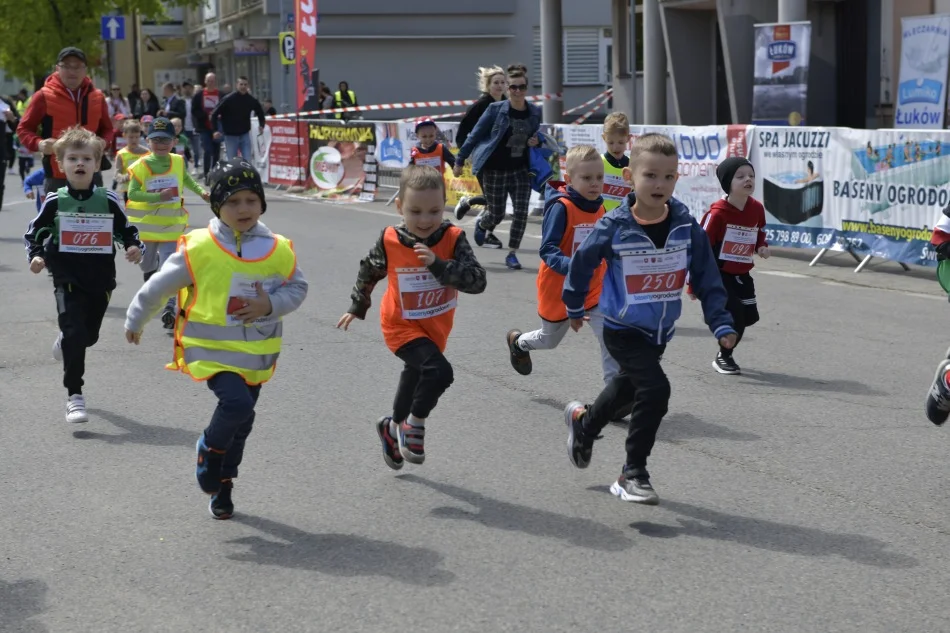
(33, 187)
(617, 137)
(182, 144)
(156, 205)
(427, 152)
(127, 155)
(938, 398)
(650, 242)
(427, 261)
(72, 235)
(735, 226)
(570, 211)
(236, 281)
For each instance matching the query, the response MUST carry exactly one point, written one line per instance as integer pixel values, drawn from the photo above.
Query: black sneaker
(520, 359)
(462, 208)
(492, 242)
(635, 488)
(726, 365)
(221, 506)
(580, 446)
(391, 454)
(168, 319)
(938, 400)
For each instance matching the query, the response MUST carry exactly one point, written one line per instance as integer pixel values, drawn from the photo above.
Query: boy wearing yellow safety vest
(156, 205)
(235, 281)
(126, 157)
(617, 136)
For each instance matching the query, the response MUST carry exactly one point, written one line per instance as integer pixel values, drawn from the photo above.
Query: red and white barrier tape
(433, 117)
(607, 92)
(405, 106)
(603, 100)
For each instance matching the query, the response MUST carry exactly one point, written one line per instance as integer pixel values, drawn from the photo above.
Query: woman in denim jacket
(499, 149)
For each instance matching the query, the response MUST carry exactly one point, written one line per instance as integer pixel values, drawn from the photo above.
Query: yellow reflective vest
(615, 188)
(338, 101)
(159, 221)
(208, 339)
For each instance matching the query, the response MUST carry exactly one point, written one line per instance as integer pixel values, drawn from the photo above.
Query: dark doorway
(723, 109)
(851, 44)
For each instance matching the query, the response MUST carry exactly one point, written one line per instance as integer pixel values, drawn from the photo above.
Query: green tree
(31, 34)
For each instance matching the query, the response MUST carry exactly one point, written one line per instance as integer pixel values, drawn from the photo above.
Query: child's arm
(595, 248)
(448, 156)
(35, 179)
(707, 284)
(412, 155)
(760, 224)
(151, 298)
(43, 220)
(462, 272)
(290, 295)
(553, 226)
(138, 194)
(372, 270)
(193, 186)
(120, 224)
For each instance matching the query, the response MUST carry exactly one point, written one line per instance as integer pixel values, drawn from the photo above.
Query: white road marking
(782, 273)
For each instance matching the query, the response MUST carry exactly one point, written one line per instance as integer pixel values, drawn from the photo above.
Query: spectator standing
(147, 104)
(188, 94)
(232, 119)
(173, 106)
(117, 103)
(202, 104)
(344, 98)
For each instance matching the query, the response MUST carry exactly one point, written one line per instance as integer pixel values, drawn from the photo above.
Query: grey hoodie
(173, 276)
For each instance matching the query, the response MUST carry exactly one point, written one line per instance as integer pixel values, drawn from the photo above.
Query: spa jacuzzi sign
(921, 92)
(797, 139)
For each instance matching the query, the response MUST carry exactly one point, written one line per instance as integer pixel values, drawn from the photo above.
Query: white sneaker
(58, 348)
(76, 409)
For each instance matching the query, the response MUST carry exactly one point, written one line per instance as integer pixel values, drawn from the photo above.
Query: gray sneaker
(58, 348)
(635, 489)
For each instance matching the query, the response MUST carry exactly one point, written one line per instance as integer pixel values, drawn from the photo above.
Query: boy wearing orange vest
(427, 261)
(235, 282)
(570, 212)
(428, 153)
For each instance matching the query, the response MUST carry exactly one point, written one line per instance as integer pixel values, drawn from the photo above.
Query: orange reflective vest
(578, 226)
(435, 158)
(416, 305)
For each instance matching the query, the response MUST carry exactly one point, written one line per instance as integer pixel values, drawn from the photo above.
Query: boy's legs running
(230, 425)
(610, 367)
(641, 382)
(741, 304)
(549, 336)
(80, 318)
(423, 359)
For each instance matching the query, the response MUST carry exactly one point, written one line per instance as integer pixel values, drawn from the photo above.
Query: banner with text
(342, 160)
(921, 91)
(780, 77)
(874, 192)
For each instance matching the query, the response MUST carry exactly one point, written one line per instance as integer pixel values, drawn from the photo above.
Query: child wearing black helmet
(235, 281)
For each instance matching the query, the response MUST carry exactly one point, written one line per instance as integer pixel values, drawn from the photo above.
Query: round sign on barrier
(326, 167)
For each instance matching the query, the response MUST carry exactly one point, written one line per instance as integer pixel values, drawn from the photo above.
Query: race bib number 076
(85, 233)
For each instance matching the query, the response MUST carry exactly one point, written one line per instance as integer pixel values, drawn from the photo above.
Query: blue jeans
(195, 147)
(233, 419)
(210, 150)
(235, 143)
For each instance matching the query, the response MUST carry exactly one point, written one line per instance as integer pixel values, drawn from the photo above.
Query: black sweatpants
(643, 383)
(425, 377)
(741, 304)
(80, 317)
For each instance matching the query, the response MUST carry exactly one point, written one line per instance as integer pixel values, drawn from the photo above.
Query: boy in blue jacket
(29, 186)
(650, 243)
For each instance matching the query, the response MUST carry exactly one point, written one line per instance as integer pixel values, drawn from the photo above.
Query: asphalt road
(809, 494)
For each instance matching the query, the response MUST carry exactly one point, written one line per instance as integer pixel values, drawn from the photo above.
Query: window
(585, 55)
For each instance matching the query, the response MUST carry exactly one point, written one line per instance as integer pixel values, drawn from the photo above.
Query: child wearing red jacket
(735, 226)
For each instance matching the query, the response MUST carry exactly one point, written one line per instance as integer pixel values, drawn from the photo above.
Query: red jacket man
(67, 99)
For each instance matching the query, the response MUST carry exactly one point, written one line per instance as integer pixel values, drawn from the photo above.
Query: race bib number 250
(654, 276)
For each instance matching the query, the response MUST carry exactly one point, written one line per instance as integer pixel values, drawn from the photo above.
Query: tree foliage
(32, 34)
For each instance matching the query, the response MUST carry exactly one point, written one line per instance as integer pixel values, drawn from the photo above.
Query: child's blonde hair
(485, 74)
(420, 178)
(132, 126)
(652, 144)
(616, 123)
(78, 137)
(172, 121)
(581, 154)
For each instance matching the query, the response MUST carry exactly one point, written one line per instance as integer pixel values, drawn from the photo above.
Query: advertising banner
(873, 192)
(342, 160)
(921, 92)
(281, 152)
(780, 82)
(397, 138)
(305, 42)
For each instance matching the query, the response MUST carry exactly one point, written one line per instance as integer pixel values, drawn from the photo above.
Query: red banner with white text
(306, 42)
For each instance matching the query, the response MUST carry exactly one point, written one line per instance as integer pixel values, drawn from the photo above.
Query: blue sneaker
(208, 468)
(479, 233)
(512, 262)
